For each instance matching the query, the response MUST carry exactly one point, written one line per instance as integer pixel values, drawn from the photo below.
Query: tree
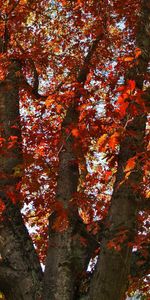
(74, 103)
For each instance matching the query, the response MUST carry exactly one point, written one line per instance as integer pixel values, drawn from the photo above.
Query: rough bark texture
(10, 124)
(59, 273)
(20, 271)
(111, 276)
(66, 257)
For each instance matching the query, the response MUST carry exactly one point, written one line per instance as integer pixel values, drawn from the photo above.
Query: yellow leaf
(102, 140)
(18, 170)
(1, 296)
(148, 194)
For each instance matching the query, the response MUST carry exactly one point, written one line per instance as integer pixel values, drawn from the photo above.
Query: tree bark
(59, 273)
(66, 258)
(110, 279)
(20, 271)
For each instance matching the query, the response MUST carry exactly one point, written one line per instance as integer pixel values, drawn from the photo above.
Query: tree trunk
(66, 258)
(110, 279)
(20, 271)
(60, 273)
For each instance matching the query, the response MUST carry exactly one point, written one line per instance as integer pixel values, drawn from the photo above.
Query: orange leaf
(58, 108)
(40, 151)
(130, 164)
(128, 58)
(137, 52)
(49, 101)
(113, 140)
(102, 139)
(75, 132)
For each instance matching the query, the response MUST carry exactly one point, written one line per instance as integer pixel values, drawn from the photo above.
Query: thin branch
(14, 7)
(85, 68)
(35, 86)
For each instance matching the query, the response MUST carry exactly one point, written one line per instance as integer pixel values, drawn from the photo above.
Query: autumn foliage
(85, 58)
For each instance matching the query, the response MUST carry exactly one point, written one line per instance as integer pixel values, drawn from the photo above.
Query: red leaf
(75, 132)
(131, 84)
